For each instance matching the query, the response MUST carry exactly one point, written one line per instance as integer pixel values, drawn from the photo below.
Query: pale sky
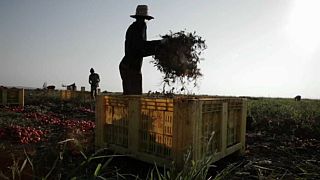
(267, 48)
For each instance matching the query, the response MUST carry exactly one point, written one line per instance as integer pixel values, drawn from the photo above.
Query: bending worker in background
(94, 80)
(136, 47)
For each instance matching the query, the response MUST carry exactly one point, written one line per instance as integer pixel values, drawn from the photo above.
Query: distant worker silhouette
(94, 80)
(136, 47)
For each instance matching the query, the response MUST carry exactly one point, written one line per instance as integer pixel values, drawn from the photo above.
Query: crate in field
(82, 96)
(163, 129)
(32, 95)
(11, 96)
(38, 95)
(65, 95)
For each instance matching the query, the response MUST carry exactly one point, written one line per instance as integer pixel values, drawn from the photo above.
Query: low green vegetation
(286, 116)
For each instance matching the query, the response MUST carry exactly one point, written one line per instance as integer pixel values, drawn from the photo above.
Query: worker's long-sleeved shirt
(137, 46)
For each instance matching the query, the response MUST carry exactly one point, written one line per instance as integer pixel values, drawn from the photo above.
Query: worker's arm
(150, 47)
(136, 41)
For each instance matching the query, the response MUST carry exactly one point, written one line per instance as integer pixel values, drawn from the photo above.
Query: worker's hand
(164, 40)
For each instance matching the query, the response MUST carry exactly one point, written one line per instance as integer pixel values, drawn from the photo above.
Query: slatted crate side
(234, 121)
(81, 96)
(12, 96)
(164, 104)
(101, 128)
(233, 118)
(237, 109)
(167, 133)
(134, 114)
(159, 113)
(34, 95)
(31, 95)
(148, 131)
(52, 93)
(155, 130)
(3, 95)
(213, 125)
(21, 97)
(186, 114)
(65, 95)
(85, 96)
(168, 123)
(243, 125)
(75, 94)
(223, 128)
(1, 100)
(219, 114)
(212, 113)
(117, 112)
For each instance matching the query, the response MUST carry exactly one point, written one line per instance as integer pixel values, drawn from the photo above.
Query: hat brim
(145, 17)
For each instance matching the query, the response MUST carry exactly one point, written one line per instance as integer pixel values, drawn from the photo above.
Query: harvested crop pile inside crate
(178, 58)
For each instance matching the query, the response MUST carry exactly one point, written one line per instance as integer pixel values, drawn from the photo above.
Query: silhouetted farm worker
(136, 47)
(94, 80)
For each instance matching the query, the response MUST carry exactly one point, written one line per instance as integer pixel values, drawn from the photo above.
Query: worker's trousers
(131, 80)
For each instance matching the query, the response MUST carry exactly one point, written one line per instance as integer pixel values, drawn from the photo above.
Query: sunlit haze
(267, 48)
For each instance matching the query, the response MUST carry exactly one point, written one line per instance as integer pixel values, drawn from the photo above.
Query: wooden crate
(12, 96)
(162, 130)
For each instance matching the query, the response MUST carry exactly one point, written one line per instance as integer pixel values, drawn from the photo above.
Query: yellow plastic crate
(12, 96)
(161, 130)
(83, 96)
(63, 95)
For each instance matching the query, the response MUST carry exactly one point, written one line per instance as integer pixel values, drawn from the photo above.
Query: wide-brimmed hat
(142, 11)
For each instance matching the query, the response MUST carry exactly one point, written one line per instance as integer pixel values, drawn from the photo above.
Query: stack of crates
(162, 130)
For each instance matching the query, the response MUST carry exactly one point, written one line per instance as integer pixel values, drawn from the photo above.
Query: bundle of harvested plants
(178, 58)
